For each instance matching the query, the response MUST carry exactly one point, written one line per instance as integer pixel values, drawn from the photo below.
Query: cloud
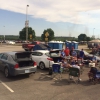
(73, 11)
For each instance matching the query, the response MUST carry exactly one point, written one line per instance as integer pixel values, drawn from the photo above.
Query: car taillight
(16, 66)
(50, 59)
(35, 64)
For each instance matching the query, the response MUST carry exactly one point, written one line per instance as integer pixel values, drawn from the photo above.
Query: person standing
(82, 55)
(71, 51)
(67, 51)
(62, 54)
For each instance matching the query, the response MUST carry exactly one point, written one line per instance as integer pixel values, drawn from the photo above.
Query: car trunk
(24, 59)
(56, 59)
(55, 55)
(25, 63)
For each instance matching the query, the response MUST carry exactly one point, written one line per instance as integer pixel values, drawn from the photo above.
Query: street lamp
(93, 31)
(26, 23)
(4, 33)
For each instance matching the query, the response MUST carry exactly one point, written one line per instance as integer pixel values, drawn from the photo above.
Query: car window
(47, 54)
(39, 54)
(34, 53)
(1, 55)
(4, 57)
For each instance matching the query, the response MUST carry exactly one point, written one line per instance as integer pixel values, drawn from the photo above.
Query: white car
(45, 58)
(10, 42)
(42, 58)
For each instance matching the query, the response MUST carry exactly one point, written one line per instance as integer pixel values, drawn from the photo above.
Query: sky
(64, 17)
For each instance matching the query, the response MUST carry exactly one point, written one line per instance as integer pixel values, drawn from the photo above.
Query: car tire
(42, 65)
(26, 50)
(6, 72)
(31, 49)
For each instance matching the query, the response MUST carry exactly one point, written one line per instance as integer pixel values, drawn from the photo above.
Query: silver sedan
(16, 63)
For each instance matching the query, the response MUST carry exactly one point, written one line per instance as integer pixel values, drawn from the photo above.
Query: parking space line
(6, 86)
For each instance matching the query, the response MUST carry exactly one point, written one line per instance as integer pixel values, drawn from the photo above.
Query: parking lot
(40, 86)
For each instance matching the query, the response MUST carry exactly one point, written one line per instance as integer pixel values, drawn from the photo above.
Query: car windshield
(86, 53)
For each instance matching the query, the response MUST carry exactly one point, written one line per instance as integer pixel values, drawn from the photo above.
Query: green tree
(50, 36)
(88, 39)
(31, 34)
(82, 37)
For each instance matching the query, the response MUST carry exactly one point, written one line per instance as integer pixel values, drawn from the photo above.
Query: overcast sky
(65, 17)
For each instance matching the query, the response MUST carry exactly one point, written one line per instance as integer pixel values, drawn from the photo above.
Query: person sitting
(94, 60)
(65, 64)
(87, 60)
(74, 64)
(92, 73)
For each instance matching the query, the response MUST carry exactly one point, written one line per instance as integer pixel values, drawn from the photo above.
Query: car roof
(14, 52)
(10, 53)
(42, 51)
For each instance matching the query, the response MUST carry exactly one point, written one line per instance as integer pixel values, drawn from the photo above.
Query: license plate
(27, 71)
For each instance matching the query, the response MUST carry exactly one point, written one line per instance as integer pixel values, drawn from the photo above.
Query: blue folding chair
(56, 70)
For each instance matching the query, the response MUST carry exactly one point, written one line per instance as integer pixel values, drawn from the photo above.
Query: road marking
(6, 86)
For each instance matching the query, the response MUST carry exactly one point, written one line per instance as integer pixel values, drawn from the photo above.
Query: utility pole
(26, 23)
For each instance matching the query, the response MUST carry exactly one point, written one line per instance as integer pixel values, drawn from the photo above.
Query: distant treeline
(58, 38)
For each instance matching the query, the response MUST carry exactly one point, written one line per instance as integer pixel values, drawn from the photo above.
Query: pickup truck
(29, 46)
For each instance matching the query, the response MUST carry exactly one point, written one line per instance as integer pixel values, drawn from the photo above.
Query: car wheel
(26, 50)
(6, 72)
(31, 49)
(42, 65)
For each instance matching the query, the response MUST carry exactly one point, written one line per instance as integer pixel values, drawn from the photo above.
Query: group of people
(73, 59)
(65, 53)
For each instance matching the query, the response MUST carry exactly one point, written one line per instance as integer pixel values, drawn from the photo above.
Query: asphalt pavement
(40, 86)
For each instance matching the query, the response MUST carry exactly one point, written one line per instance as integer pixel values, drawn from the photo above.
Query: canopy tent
(94, 41)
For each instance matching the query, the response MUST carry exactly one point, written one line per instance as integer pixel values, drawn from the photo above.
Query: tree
(82, 37)
(31, 34)
(88, 39)
(50, 35)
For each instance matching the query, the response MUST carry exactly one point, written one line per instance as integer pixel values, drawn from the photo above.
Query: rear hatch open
(24, 59)
(55, 55)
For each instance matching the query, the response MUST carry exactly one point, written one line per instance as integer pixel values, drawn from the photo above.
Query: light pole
(26, 23)
(4, 33)
(93, 33)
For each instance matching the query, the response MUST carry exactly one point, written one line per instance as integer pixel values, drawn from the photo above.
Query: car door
(1, 54)
(35, 57)
(4, 61)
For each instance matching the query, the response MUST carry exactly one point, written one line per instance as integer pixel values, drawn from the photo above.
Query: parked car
(16, 63)
(41, 47)
(11, 42)
(29, 46)
(86, 54)
(45, 58)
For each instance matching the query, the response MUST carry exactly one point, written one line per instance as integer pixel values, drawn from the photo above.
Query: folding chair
(95, 78)
(74, 72)
(80, 63)
(56, 70)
